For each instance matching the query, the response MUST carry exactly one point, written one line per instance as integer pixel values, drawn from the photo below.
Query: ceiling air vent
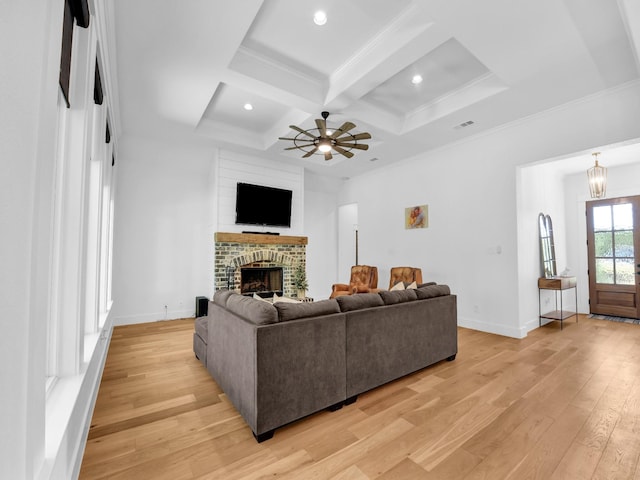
(465, 124)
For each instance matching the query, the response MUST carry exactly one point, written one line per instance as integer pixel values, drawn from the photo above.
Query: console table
(558, 285)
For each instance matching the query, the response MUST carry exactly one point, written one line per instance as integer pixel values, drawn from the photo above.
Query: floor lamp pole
(356, 246)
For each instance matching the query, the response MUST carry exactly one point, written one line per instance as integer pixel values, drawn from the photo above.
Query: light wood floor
(555, 405)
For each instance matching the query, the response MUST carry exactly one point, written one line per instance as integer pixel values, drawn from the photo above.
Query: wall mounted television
(261, 205)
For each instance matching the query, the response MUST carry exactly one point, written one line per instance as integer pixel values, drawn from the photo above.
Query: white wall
(471, 188)
(28, 105)
(161, 231)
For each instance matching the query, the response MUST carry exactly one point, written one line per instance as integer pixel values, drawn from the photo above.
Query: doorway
(347, 240)
(613, 246)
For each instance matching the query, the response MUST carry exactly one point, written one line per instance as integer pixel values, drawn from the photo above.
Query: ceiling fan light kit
(327, 142)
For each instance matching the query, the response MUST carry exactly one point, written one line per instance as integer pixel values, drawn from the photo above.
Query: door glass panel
(624, 243)
(602, 218)
(624, 271)
(604, 244)
(604, 270)
(623, 216)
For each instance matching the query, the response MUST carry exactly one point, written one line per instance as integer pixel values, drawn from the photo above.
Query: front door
(613, 237)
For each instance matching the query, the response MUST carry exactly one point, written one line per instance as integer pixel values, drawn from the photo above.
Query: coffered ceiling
(189, 67)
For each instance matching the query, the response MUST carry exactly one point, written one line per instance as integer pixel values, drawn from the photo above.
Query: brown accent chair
(405, 275)
(364, 279)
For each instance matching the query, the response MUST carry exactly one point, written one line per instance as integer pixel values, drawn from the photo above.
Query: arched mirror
(547, 247)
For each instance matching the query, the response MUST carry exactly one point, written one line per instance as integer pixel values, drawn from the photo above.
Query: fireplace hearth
(267, 280)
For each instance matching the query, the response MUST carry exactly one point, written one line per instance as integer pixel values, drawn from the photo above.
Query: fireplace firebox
(263, 281)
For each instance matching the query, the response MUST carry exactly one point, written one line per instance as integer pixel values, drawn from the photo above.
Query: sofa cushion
(292, 311)
(398, 296)
(426, 284)
(221, 296)
(431, 291)
(359, 301)
(256, 311)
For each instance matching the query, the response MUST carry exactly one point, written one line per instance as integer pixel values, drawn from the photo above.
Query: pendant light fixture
(597, 179)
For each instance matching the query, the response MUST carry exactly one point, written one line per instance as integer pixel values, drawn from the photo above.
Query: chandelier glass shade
(597, 179)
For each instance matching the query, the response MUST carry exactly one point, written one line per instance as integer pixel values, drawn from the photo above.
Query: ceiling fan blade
(359, 146)
(299, 147)
(292, 139)
(322, 126)
(360, 136)
(346, 126)
(298, 129)
(342, 151)
(327, 156)
(309, 153)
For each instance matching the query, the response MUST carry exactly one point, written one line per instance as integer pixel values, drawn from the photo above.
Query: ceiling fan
(325, 140)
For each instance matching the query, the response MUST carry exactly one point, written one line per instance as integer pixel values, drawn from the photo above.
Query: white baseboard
(152, 317)
(483, 326)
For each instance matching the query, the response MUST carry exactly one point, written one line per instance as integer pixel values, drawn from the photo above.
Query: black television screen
(260, 205)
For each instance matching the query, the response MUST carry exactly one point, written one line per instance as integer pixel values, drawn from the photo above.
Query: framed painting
(416, 217)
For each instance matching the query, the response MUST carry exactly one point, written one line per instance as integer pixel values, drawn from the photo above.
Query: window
(52, 323)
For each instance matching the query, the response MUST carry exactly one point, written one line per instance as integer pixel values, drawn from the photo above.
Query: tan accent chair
(405, 274)
(364, 279)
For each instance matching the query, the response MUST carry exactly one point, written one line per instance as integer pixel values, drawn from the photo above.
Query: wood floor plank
(558, 404)
(620, 457)
(543, 458)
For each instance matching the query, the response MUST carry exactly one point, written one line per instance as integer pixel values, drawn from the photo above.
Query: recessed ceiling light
(320, 17)
(248, 106)
(417, 79)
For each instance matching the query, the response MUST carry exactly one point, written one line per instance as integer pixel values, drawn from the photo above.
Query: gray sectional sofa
(280, 362)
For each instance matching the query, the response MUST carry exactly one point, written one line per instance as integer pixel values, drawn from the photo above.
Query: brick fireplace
(235, 251)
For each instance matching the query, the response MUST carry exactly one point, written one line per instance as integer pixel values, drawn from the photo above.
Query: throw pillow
(397, 286)
(412, 286)
(258, 297)
(277, 299)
